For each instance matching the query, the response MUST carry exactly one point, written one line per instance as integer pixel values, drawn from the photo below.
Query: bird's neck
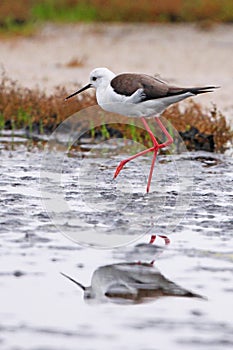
(101, 94)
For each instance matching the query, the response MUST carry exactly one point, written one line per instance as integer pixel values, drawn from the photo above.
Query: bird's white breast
(110, 101)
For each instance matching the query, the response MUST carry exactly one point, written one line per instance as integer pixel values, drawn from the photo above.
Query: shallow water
(40, 309)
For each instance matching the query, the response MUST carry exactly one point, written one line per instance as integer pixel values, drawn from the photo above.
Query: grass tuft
(207, 123)
(34, 109)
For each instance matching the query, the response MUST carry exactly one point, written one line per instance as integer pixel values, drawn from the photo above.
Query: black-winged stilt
(138, 95)
(131, 282)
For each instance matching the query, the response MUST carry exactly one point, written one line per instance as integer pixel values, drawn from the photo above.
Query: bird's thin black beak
(88, 86)
(72, 280)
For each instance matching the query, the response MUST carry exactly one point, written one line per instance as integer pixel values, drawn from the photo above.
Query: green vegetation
(21, 16)
(104, 131)
(10, 26)
(137, 11)
(2, 122)
(64, 11)
(134, 132)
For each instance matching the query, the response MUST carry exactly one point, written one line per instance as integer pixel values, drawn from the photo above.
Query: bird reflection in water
(132, 282)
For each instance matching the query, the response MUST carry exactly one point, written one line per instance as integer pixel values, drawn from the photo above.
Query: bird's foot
(119, 168)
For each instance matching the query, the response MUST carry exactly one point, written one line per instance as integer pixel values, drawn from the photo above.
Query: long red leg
(123, 162)
(157, 147)
(165, 238)
(154, 149)
(164, 130)
(153, 238)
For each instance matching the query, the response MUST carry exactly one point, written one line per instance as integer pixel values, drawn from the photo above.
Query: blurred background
(22, 12)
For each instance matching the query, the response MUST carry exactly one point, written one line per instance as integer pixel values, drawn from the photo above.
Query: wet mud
(40, 309)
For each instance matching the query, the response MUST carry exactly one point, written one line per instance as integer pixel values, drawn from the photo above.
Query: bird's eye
(94, 78)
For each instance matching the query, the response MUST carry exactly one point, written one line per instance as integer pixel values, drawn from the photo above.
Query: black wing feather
(128, 83)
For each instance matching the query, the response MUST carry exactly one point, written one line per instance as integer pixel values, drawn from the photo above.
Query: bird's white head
(99, 78)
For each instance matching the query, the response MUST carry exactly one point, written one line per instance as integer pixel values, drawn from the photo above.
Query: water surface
(40, 309)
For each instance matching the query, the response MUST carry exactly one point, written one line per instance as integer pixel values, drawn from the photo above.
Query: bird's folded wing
(126, 84)
(120, 290)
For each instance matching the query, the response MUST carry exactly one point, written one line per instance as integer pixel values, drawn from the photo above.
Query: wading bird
(138, 95)
(132, 282)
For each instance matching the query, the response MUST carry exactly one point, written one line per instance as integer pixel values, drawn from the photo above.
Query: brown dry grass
(208, 122)
(22, 108)
(138, 10)
(19, 10)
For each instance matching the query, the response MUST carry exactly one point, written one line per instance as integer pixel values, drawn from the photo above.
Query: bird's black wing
(128, 83)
